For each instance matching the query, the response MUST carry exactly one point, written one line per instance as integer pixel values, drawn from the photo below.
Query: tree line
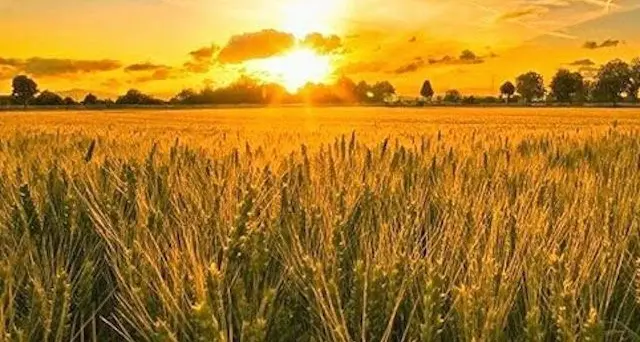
(616, 81)
(244, 90)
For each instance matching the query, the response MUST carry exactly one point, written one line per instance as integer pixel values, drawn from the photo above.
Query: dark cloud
(609, 43)
(443, 60)
(582, 62)
(38, 66)
(322, 44)
(256, 45)
(466, 57)
(592, 45)
(413, 66)
(139, 67)
(469, 56)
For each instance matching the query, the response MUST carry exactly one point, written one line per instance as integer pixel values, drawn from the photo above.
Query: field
(326, 224)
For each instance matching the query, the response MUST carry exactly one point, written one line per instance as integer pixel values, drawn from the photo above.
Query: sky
(163, 46)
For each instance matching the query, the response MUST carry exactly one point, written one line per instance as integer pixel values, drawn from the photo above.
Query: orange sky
(162, 46)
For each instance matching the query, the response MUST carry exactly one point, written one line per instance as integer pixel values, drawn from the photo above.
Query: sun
(296, 68)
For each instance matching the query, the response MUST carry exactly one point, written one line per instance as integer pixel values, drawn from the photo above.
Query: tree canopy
(24, 89)
(47, 98)
(427, 90)
(530, 86)
(566, 86)
(507, 90)
(613, 79)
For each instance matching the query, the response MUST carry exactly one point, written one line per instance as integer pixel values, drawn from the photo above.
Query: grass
(329, 225)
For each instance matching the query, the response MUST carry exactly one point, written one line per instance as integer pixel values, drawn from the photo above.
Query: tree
(90, 100)
(469, 100)
(586, 94)
(345, 89)
(24, 89)
(47, 98)
(186, 96)
(635, 79)
(613, 79)
(363, 92)
(530, 86)
(427, 90)
(135, 97)
(507, 90)
(382, 90)
(453, 96)
(567, 85)
(68, 101)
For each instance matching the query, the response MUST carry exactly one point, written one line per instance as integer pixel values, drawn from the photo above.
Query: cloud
(202, 59)
(592, 45)
(469, 56)
(205, 53)
(413, 66)
(38, 66)
(139, 67)
(157, 75)
(466, 57)
(6, 72)
(11, 62)
(322, 44)
(147, 72)
(521, 13)
(582, 62)
(609, 43)
(51, 66)
(256, 45)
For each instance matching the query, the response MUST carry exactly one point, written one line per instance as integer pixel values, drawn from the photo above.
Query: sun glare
(297, 68)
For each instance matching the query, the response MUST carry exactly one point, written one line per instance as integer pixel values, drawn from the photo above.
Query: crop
(466, 228)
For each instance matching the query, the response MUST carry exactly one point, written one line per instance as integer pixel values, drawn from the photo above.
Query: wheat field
(320, 224)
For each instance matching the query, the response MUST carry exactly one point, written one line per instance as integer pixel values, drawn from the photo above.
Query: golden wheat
(292, 224)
